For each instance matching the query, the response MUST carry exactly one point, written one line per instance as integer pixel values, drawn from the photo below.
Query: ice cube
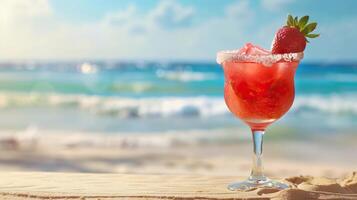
(250, 49)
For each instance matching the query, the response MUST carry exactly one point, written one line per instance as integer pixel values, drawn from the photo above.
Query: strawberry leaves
(290, 21)
(303, 26)
(303, 21)
(312, 35)
(296, 21)
(309, 28)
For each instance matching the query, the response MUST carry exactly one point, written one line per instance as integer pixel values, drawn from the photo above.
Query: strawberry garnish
(292, 37)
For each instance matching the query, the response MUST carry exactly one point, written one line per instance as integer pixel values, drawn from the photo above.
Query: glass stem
(257, 174)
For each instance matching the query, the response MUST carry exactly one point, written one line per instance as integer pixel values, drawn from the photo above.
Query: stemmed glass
(258, 89)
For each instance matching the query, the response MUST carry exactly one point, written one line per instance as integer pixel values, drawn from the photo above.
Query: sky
(166, 29)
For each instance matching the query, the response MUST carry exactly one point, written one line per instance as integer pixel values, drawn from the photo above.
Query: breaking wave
(201, 106)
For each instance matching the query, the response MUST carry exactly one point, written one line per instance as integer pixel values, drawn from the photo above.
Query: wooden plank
(38, 185)
(72, 185)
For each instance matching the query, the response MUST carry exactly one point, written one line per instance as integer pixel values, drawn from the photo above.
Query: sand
(315, 171)
(210, 159)
(181, 160)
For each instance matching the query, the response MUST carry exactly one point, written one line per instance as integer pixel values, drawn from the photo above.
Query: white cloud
(240, 9)
(169, 14)
(121, 17)
(200, 41)
(130, 34)
(274, 5)
(14, 13)
(331, 46)
(113, 36)
(129, 19)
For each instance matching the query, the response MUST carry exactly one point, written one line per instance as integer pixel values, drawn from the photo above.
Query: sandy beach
(171, 154)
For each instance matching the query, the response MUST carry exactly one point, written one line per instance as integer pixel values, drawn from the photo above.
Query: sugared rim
(223, 56)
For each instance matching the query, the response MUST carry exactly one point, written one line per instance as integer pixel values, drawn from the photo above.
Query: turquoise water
(115, 97)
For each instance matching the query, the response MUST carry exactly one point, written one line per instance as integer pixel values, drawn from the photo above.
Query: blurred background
(133, 86)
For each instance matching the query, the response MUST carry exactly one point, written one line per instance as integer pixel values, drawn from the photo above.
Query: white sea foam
(122, 106)
(32, 138)
(164, 107)
(329, 104)
(266, 60)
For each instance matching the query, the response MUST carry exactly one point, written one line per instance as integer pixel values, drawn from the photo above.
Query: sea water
(112, 97)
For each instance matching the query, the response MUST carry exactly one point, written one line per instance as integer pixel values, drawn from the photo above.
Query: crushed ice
(251, 53)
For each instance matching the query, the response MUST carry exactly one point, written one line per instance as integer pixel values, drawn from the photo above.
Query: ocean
(110, 97)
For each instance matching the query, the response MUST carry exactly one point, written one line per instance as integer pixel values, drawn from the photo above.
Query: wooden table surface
(39, 185)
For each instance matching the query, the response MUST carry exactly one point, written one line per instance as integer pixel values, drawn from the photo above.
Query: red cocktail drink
(258, 89)
(259, 94)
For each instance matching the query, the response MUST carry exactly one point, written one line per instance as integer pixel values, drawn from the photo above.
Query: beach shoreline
(167, 154)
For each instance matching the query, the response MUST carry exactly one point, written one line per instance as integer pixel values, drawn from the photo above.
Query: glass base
(262, 182)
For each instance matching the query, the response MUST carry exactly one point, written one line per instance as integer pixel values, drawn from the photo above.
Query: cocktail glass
(258, 89)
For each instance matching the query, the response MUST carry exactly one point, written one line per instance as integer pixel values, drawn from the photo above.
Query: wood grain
(39, 185)
(71, 185)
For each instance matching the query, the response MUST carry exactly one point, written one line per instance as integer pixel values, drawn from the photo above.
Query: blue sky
(166, 30)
